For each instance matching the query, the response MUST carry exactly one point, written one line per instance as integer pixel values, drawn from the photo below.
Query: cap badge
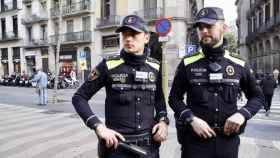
(203, 12)
(130, 20)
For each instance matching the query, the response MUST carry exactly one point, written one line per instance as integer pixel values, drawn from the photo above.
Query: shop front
(5, 67)
(16, 59)
(30, 57)
(4, 61)
(67, 62)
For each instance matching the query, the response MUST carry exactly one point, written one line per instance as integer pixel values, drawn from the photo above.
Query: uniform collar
(134, 60)
(214, 54)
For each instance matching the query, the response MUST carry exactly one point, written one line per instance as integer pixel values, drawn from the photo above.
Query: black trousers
(218, 147)
(268, 100)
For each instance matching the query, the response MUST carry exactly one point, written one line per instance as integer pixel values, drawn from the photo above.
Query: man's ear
(225, 28)
(147, 38)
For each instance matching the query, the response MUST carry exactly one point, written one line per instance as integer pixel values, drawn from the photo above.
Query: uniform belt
(139, 139)
(218, 130)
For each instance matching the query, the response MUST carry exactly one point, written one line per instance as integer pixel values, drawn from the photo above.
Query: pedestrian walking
(135, 110)
(268, 84)
(41, 80)
(209, 122)
(276, 75)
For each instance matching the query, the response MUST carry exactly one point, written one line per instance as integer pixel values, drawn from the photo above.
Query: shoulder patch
(153, 60)
(112, 63)
(94, 74)
(194, 54)
(193, 58)
(236, 56)
(153, 63)
(113, 57)
(234, 59)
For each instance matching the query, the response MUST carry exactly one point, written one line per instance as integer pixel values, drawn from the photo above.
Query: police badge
(152, 77)
(230, 70)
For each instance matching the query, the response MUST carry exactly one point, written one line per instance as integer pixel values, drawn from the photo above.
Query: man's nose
(128, 37)
(204, 29)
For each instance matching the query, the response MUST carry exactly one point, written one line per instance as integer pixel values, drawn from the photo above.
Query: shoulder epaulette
(238, 60)
(236, 56)
(153, 63)
(193, 58)
(114, 61)
(190, 55)
(112, 57)
(153, 60)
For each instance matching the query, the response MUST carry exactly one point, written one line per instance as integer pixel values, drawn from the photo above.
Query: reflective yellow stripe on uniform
(114, 63)
(234, 59)
(194, 58)
(154, 65)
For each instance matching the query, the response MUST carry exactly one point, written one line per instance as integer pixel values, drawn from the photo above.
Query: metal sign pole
(163, 27)
(164, 72)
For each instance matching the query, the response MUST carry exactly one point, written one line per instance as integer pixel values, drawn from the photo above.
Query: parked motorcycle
(71, 83)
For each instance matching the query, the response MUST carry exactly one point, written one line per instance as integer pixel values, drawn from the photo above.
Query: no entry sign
(163, 26)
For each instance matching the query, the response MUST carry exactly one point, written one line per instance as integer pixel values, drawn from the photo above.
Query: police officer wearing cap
(211, 79)
(135, 109)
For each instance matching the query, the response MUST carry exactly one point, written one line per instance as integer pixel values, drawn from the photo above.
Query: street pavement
(56, 131)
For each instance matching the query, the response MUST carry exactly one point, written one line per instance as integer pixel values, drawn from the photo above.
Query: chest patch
(152, 77)
(230, 70)
(119, 77)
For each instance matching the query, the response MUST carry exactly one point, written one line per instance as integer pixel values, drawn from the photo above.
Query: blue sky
(228, 6)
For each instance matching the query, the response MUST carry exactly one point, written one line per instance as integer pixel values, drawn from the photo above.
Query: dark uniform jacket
(215, 99)
(268, 85)
(134, 96)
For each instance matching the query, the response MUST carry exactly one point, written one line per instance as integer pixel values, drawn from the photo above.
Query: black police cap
(209, 15)
(133, 22)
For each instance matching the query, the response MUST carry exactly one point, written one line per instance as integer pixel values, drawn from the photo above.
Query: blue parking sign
(190, 49)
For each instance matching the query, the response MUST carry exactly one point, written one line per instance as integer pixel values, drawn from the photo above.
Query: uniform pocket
(199, 94)
(121, 96)
(230, 93)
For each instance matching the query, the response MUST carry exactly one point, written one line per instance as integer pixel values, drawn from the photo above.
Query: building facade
(258, 33)
(10, 37)
(30, 30)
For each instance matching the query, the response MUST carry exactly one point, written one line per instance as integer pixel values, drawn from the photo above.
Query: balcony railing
(110, 21)
(36, 43)
(4, 57)
(9, 7)
(34, 19)
(26, 1)
(8, 36)
(150, 14)
(72, 37)
(72, 10)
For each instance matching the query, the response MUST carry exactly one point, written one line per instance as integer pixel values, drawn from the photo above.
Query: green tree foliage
(232, 42)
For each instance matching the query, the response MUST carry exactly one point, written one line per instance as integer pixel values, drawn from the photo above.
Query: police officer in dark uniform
(135, 109)
(210, 121)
